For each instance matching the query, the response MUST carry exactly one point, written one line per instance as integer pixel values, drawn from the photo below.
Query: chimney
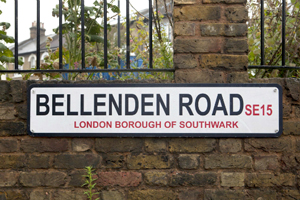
(33, 30)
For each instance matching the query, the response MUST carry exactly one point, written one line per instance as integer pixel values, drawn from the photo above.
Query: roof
(29, 46)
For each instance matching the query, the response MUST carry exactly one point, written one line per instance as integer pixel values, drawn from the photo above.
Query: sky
(27, 14)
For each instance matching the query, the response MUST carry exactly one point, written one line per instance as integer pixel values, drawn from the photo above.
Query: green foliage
(139, 45)
(72, 34)
(89, 183)
(6, 55)
(273, 43)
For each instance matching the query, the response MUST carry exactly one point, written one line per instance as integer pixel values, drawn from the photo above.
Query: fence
(262, 42)
(83, 68)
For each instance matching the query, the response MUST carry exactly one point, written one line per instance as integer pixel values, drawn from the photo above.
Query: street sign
(155, 110)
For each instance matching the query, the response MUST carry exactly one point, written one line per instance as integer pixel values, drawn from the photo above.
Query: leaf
(6, 24)
(7, 39)
(95, 38)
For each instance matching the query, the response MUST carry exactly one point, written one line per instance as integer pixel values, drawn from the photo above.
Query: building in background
(27, 49)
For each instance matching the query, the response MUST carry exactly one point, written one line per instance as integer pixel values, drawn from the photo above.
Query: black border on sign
(207, 135)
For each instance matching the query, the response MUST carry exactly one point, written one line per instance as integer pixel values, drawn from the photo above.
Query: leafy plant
(6, 55)
(273, 42)
(90, 183)
(72, 34)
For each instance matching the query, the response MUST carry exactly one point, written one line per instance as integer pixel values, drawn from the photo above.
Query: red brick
(123, 179)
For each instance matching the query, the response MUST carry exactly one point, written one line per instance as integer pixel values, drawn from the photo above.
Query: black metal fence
(83, 69)
(262, 42)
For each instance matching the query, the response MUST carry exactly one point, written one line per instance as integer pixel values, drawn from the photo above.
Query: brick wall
(210, 46)
(148, 168)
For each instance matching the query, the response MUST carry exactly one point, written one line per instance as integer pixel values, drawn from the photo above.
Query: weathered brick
(196, 13)
(238, 77)
(119, 145)
(77, 178)
(233, 45)
(228, 62)
(155, 145)
(82, 145)
(184, 29)
(199, 76)
(21, 111)
(203, 45)
(269, 179)
(290, 194)
(149, 162)
(286, 111)
(236, 14)
(293, 86)
(219, 194)
(8, 145)
(123, 179)
(297, 144)
(230, 145)
(187, 161)
(192, 145)
(282, 144)
(15, 194)
(38, 161)
(228, 162)
(8, 178)
(199, 179)
(18, 90)
(48, 179)
(291, 127)
(225, 1)
(113, 161)
(44, 145)
(223, 29)
(40, 195)
(290, 162)
(179, 2)
(12, 129)
(12, 161)
(185, 61)
(4, 91)
(79, 161)
(297, 111)
(2, 196)
(266, 162)
(262, 194)
(232, 179)
(7, 112)
(68, 195)
(191, 194)
(151, 195)
(112, 195)
(156, 178)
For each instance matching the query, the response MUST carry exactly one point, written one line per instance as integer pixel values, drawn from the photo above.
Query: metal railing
(83, 68)
(283, 41)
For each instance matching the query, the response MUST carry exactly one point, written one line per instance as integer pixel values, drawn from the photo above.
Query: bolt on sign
(155, 110)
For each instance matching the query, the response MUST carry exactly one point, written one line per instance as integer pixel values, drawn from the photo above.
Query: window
(32, 61)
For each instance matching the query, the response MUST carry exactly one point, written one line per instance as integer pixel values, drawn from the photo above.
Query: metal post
(105, 34)
(127, 35)
(150, 35)
(16, 36)
(283, 32)
(38, 35)
(262, 38)
(82, 36)
(60, 35)
(119, 32)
